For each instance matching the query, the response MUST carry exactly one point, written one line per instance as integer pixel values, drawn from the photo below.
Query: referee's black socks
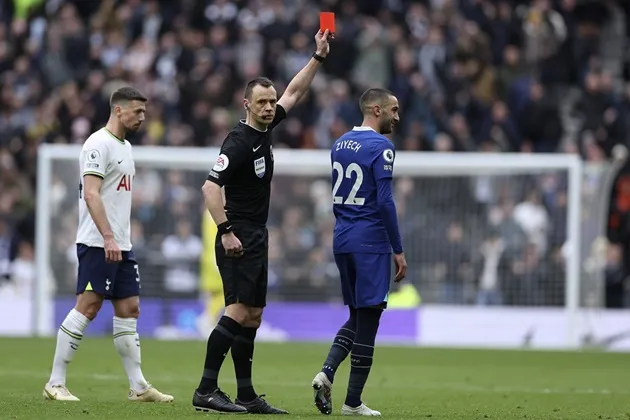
(242, 356)
(362, 352)
(341, 346)
(219, 343)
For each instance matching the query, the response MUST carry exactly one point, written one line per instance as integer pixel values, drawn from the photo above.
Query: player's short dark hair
(259, 81)
(373, 96)
(126, 94)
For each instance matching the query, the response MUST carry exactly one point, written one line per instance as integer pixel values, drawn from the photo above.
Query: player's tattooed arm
(94, 203)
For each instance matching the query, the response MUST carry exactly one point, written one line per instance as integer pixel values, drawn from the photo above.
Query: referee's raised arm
(302, 81)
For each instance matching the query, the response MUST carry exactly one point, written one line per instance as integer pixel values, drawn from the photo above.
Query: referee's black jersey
(245, 168)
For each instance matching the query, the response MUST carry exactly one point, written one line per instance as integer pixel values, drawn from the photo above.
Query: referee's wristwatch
(318, 57)
(225, 228)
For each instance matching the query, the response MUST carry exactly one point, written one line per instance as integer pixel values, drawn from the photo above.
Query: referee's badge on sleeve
(221, 163)
(259, 167)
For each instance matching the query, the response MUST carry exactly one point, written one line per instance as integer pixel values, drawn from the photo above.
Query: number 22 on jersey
(351, 174)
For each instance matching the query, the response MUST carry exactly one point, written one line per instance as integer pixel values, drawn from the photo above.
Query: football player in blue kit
(366, 234)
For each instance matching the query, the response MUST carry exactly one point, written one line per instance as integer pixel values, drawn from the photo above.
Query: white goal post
(317, 163)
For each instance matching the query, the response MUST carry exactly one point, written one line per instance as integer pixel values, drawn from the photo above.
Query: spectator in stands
(453, 264)
(529, 273)
(181, 251)
(533, 218)
(5, 252)
(493, 270)
(616, 279)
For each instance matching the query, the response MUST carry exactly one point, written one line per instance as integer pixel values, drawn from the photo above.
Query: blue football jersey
(360, 158)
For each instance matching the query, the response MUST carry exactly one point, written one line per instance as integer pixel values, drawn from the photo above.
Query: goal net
(480, 231)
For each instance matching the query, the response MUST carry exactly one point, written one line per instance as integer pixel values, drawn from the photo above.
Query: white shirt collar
(362, 128)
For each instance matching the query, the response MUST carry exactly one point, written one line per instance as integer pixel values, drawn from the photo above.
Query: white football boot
(323, 393)
(362, 410)
(149, 395)
(58, 393)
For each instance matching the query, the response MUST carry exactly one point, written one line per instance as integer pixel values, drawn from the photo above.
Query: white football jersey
(110, 158)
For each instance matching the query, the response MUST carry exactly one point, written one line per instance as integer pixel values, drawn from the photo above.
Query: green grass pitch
(406, 383)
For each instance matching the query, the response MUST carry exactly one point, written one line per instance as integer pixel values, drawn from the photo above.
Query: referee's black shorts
(245, 277)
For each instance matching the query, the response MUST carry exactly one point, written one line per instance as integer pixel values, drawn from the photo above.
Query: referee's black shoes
(216, 401)
(260, 406)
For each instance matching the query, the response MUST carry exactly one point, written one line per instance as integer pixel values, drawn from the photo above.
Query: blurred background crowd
(471, 76)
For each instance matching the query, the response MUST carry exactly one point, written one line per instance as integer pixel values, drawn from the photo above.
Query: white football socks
(68, 339)
(127, 344)
(126, 340)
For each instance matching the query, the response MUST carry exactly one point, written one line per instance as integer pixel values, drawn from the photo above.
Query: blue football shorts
(365, 278)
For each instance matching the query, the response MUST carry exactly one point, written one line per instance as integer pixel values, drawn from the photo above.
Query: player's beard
(133, 128)
(386, 126)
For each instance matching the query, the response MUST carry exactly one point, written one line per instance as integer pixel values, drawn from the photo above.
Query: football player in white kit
(107, 267)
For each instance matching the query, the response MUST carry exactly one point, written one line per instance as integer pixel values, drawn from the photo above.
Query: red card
(327, 21)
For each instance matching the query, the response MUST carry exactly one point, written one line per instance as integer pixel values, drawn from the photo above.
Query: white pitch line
(445, 386)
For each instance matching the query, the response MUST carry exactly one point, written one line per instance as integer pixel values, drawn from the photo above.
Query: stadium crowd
(471, 75)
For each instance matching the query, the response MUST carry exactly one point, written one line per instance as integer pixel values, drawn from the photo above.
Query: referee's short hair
(259, 81)
(375, 96)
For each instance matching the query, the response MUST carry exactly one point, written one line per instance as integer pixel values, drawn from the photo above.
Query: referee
(244, 169)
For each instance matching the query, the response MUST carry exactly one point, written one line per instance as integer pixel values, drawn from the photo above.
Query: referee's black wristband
(225, 227)
(318, 57)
